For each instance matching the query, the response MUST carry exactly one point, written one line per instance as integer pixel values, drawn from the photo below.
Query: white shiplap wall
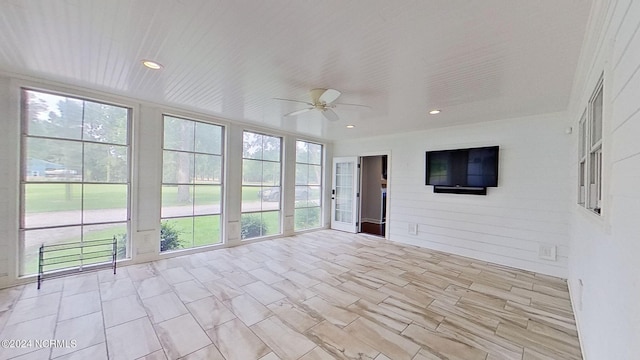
(530, 206)
(604, 249)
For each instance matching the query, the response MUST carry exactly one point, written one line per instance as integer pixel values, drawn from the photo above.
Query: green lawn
(31, 252)
(197, 231)
(193, 232)
(68, 197)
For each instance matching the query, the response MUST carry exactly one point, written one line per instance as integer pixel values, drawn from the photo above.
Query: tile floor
(321, 295)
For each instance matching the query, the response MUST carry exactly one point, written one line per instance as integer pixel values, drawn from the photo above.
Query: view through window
(308, 203)
(75, 174)
(261, 185)
(191, 184)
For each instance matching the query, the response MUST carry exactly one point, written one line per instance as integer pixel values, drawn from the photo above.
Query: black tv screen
(475, 167)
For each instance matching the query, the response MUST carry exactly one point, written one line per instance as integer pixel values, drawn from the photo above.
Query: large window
(308, 202)
(261, 185)
(75, 174)
(191, 184)
(590, 153)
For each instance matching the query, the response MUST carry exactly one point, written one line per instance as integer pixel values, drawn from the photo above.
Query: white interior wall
(604, 249)
(8, 199)
(371, 189)
(146, 174)
(528, 208)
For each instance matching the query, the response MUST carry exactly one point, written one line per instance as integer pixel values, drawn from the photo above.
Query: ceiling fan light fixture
(434, 112)
(153, 65)
(322, 100)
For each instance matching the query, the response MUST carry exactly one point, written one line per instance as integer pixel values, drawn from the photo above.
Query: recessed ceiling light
(350, 126)
(435, 111)
(152, 64)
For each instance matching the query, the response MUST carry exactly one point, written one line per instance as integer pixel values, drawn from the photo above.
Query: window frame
(193, 184)
(262, 187)
(321, 205)
(590, 152)
(131, 109)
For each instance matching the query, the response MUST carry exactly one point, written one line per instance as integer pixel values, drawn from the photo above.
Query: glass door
(344, 194)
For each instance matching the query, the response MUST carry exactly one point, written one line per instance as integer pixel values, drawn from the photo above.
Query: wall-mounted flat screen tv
(475, 167)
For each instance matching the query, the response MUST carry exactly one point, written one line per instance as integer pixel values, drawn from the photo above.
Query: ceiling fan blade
(298, 112)
(330, 115)
(358, 105)
(296, 101)
(329, 96)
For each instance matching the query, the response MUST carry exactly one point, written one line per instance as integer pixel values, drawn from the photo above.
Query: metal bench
(58, 260)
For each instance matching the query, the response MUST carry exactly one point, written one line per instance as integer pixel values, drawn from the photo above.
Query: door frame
(386, 210)
(358, 199)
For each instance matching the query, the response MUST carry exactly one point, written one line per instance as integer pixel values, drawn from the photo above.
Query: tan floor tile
(31, 290)
(210, 312)
(118, 288)
(181, 336)
(209, 352)
(34, 308)
(265, 275)
(164, 307)
(79, 304)
(152, 286)
(317, 354)
(339, 343)
(191, 290)
(80, 284)
(442, 345)
(156, 355)
(121, 310)
(319, 307)
(247, 309)
(236, 342)
(293, 291)
(176, 275)
(262, 292)
(285, 342)
(86, 331)
(204, 274)
(132, 340)
(329, 295)
(40, 328)
(380, 338)
(381, 314)
(223, 289)
(334, 295)
(294, 315)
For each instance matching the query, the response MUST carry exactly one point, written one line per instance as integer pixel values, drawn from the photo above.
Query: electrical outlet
(413, 229)
(547, 252)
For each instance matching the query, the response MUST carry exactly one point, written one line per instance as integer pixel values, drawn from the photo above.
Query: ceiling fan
(323, 101)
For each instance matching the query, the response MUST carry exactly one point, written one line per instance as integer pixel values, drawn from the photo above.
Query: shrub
(169, 240)
(169, 237)
(252, 226)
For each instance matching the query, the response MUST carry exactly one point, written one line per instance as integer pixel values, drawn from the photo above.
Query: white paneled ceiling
(474, 60)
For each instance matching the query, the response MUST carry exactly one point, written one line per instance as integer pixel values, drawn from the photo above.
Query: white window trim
(21, 85)
(322, 178)
(281, 161)
(590, 154)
